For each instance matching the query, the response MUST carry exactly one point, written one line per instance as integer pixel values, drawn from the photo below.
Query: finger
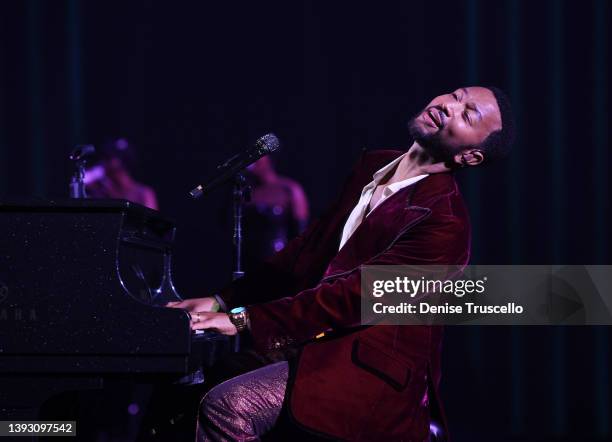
(199, 317)
(202, 325)
(174, 303)
(197, 326)
(203, 317)
(205, 314)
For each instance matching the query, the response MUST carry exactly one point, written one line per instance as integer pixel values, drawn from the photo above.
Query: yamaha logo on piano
(8, 313)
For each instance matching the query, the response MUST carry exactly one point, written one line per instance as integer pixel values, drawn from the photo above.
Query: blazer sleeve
(335, 304)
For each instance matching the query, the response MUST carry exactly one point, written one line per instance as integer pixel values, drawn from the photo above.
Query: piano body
(82, 289)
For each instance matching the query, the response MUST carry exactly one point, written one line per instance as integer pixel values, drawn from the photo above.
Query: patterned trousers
(245, 407)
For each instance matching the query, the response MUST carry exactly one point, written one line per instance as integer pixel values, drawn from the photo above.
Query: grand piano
(83, 284)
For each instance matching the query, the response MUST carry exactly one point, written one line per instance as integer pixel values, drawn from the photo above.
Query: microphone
(81, 151)
(263, 146)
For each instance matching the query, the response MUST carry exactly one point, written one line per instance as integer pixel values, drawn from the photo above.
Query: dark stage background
(191, 82)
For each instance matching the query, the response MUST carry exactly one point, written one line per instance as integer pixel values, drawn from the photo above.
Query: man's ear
(469, 157)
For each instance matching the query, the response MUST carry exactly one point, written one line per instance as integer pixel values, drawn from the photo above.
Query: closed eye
(457, 96)
(466, 117)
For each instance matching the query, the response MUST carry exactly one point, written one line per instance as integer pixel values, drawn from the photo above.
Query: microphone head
(267, 144)
(81, 151)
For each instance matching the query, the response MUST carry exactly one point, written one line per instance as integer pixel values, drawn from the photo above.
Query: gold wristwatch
(240, 318)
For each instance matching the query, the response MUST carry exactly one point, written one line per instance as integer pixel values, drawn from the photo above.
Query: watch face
(237, 310)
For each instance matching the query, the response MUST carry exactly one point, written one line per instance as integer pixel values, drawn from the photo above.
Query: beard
(430, 142)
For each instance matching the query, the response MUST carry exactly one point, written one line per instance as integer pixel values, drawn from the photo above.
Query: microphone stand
(77, 186)
(79, 155)
(242, 194)
(232, 168)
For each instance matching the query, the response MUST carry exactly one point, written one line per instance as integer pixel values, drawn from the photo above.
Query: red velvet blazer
(358, 383)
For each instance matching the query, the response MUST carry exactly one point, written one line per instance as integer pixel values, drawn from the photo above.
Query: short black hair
(498, 143)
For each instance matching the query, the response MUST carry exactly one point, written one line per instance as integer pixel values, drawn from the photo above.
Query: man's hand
(208, 304)
(218, 322)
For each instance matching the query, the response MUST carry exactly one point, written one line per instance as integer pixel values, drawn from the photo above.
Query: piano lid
(89, 204)
(81, 276)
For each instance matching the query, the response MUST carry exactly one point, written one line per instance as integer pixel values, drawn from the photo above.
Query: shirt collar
(381, 173)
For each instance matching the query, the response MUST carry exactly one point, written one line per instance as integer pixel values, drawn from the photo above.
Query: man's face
(452, 122)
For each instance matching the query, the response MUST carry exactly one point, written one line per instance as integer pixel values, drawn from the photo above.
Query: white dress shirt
(359, 212)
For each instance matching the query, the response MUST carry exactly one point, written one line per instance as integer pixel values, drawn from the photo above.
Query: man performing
(368, 383)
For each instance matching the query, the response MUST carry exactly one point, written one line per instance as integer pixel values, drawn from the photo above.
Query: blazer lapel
(378, 231)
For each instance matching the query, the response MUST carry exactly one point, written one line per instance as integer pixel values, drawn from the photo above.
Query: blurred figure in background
(277, 212)
(111, 175)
